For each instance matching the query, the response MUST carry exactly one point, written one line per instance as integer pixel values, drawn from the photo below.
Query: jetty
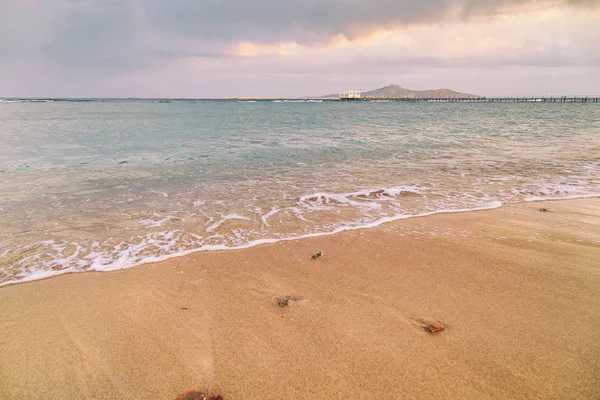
(562, 99)
(356, 95)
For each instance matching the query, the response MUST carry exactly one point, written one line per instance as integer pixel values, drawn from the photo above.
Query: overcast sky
(226, 48)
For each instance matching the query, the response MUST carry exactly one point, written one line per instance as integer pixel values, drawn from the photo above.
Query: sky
(296, 48)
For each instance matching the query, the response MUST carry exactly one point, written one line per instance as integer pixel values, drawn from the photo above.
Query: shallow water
(111, 184)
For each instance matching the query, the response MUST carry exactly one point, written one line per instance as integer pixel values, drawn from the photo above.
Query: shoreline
(260, 242)
(515, 287)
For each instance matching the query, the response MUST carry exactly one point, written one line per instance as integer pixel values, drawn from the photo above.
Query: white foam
(225, 218)
(567, 197)
(26, 101)
(128, 255)
(299, 213)
(153, 223)
(265, 217)
(5, 252)
(361, 209)
(360, 199)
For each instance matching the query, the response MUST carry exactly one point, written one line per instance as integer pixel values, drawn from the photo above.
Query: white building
(351, 95)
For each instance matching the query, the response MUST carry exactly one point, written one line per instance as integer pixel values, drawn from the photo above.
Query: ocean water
(104, 185)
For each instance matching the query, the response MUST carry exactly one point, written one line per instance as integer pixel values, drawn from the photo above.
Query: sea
(111, 184)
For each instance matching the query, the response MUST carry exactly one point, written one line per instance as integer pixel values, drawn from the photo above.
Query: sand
(518, 291)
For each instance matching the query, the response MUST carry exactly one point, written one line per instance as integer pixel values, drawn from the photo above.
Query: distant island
(398, 91)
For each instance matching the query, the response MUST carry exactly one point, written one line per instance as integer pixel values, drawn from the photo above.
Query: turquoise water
(111, 184)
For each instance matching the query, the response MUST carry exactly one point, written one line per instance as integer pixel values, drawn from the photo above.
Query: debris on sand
(543, 210)
(283, 302)
(317, 255)
(434, 328)
(196, 395)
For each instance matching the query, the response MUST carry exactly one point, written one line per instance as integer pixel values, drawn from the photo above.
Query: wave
(51, 100)
(298, 101)
(132, 255)
(231, 230)
(27, 101)
(568, 197)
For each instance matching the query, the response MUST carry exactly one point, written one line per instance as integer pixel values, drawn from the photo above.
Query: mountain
(398, 91)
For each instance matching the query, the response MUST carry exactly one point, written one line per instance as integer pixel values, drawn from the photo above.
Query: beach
(212, 200)
(516, 288)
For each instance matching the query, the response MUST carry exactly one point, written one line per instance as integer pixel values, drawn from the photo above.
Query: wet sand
(518, 291)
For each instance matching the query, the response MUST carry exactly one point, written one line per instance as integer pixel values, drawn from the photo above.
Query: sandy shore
(517, 289)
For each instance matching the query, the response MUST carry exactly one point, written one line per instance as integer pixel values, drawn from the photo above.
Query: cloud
(76, 42)
(85, 31)
(306, 21)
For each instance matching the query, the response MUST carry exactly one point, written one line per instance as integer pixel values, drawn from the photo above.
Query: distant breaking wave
(50, 100)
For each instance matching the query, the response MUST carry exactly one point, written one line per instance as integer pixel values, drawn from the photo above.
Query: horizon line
(287, 98)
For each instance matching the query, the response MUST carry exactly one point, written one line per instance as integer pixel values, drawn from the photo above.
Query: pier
(560, 99)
